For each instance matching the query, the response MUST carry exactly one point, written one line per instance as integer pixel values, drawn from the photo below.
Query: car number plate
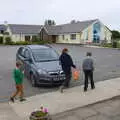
(56, 79)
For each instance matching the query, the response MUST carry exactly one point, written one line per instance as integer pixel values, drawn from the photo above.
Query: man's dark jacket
(66, 62)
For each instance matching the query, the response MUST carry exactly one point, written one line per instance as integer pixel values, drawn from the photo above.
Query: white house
(91, 31)
(81, 32)
(19, 32)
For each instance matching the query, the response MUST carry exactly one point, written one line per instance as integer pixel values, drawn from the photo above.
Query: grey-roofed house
(25, 29)
(80, 32)
(23, 32)
(90, 31)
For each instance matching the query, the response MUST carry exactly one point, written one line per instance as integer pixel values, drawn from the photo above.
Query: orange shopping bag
(76, 74)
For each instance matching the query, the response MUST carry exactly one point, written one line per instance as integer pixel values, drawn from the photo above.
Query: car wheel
(33, 80)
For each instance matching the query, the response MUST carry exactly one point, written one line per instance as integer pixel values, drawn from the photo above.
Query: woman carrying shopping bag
(66, 63)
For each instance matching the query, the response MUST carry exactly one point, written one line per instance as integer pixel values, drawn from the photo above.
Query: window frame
(63, 37)
(73, 36)
(26, 50)
(21, 51)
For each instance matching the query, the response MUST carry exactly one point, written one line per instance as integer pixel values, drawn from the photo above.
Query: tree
(8, 40)
(115, 34)
(115, 38)
(49, 22)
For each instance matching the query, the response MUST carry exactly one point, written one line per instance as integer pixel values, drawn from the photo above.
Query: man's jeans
(88, 75)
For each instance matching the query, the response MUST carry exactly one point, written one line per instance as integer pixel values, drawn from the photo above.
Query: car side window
(27, 54)
(21, 51)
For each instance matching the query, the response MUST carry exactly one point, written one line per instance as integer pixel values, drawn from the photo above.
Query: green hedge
(27, 43)
(21, 43)
(118, 45)
(8, 40)
(109, 45)
(41, 42)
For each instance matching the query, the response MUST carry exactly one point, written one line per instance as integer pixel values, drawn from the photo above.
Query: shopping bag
(76, 74)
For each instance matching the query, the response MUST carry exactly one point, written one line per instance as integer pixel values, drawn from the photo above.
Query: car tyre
(33, 80)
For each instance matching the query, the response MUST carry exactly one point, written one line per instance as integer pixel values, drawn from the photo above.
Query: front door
(54, 38)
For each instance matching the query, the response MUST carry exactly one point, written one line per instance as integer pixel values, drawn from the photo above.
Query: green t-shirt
(18, 76)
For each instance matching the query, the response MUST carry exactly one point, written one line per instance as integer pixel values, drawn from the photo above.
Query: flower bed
(40, 115)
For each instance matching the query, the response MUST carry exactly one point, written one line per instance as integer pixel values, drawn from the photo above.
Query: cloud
(62, 11)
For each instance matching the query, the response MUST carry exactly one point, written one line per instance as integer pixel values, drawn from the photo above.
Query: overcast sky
(62, 11)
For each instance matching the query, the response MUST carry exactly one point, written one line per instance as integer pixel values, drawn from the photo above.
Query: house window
(96, 32)
(27, 38)
(63, 37)
(1, 31)
(27, 54)
(73, 36)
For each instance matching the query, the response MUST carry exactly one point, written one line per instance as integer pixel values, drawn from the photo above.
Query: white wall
(106, 34)
(18, 37)
(90, 34)
(15, 37)
(67, 38)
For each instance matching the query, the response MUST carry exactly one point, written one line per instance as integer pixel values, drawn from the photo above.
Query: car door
(27, 62)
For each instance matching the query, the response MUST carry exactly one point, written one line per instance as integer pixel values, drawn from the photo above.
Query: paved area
(73, 104)
(107, 67)
(106, 110)
(72, 98)
(7, 113)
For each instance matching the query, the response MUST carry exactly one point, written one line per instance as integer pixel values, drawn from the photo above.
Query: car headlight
(61, 72)
(40, 71)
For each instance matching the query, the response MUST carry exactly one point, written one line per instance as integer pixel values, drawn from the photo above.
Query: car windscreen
(44, 55)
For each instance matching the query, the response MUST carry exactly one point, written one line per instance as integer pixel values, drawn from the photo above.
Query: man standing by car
(67, 63)
(88, 68)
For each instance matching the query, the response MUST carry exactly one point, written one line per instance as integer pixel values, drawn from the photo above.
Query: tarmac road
(107, 63)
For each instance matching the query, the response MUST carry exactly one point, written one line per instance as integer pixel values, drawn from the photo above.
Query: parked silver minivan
(41, 65)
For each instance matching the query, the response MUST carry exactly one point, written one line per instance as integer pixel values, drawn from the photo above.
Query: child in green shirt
(18, 77)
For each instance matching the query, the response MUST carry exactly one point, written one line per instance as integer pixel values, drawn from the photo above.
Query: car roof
(38, 46)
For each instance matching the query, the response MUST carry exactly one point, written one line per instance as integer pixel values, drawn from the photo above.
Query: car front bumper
(51, 80)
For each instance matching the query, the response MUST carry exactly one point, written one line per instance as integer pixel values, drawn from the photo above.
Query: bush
(41, 42)
(18, 43)
(1, 40)
(8, 41)
(107, 45)
(114, 45)
(22, 43)
(35, 39)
